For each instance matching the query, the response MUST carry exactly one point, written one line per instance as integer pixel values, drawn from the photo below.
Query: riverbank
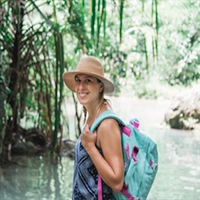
(174, 106)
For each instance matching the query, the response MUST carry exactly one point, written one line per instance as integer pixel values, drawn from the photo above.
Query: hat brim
(69, 79)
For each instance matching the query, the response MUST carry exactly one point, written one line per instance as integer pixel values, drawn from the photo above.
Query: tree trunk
(15, 67)
(2, 113)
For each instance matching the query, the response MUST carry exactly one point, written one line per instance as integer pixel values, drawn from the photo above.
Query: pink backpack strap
(99, 188)
(125, 192)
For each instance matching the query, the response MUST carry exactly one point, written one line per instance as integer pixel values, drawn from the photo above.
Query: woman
(99, 152)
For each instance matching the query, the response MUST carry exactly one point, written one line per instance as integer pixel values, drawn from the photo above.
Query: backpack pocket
(130, 170)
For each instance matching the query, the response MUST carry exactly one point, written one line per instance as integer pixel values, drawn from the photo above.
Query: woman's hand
(88, 139)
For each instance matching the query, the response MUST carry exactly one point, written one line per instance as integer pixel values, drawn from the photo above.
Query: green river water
(178, 177)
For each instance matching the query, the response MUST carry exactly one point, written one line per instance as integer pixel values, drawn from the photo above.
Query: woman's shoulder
(108, 125)
(107, 132)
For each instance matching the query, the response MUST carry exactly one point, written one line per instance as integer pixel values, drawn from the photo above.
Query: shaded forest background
(139, 42)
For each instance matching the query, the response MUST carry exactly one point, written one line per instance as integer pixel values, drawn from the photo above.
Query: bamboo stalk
(59, 71)
(121, 20)
(153, 47)
(143, 6)
(104, 18)
(157, 26)
(83, 7)
(93, 15)
(152, 10)
(146, 54)
(98, 23)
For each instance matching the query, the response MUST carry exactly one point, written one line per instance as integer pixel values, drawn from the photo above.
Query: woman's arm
(110, 167)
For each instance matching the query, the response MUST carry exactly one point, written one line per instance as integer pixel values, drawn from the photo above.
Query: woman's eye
(77, 80)
(87, 80)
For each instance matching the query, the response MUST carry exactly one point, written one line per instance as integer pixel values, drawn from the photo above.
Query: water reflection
(178, 177)
(36, 178)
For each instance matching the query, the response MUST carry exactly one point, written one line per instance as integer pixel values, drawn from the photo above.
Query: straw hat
(91, 66)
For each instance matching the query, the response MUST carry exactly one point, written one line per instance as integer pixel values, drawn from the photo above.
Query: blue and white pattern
(86, 177)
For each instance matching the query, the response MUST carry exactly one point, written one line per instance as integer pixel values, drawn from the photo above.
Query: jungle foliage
(39, 40)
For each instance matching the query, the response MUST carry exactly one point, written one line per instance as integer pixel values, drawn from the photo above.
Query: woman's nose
(81, 85)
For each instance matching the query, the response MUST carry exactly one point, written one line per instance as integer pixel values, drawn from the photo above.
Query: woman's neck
(94, 112)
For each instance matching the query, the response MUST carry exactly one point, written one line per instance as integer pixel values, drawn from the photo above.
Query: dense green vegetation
(137, 40)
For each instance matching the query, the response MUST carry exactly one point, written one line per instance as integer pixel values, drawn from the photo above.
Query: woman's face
(88, 89)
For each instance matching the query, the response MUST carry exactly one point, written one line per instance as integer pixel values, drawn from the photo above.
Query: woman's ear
(101, 87)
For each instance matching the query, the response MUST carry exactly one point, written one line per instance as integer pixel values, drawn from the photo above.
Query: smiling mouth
(83, 95)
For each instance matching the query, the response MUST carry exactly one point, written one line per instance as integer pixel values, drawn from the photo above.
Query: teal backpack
(140, 159)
